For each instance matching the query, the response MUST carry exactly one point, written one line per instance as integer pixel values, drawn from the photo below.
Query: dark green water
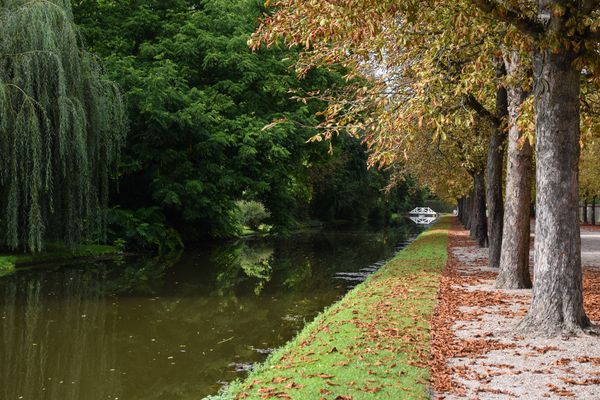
(131, 331)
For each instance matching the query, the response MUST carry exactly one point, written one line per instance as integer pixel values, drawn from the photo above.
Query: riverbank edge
(372, 343)
(11, 263)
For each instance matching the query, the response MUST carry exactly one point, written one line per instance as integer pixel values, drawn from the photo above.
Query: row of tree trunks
(557, 302)
(465, 213)
(493, 173)
(514, 258)
(591, 219)
(472, 211)
(479, 221)
(462, 207)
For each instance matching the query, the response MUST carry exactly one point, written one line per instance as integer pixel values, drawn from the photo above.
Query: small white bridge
(423, 216)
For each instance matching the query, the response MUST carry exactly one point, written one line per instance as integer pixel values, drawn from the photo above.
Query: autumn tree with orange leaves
(430, 69)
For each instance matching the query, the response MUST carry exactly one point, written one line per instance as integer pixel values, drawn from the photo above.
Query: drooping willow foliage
(61, 127)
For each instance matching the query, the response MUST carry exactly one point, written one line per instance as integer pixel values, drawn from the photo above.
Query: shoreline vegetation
(375, 340)
(12, 262)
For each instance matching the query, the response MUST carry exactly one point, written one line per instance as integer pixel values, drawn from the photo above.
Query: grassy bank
(9, 263)
(374, 343)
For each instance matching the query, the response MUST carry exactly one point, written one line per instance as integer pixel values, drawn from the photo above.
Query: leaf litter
(476, 352)
(373, 344)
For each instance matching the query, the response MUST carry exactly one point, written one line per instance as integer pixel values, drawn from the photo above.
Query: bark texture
(468, 211)
(557, 304)
(493, 173)
(593, 211)
(514, 259)
(461, 210)
(479, 228)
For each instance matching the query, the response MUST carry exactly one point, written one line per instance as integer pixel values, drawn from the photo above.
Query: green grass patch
(53, 253)
(374, 343)
(7, 265)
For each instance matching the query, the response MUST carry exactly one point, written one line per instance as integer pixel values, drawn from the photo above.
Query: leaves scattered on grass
(374, 343)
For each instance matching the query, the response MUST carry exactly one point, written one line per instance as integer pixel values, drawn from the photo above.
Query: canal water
(131, 330)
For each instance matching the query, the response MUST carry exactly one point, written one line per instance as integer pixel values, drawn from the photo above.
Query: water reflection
(49, 346)
(132, 330)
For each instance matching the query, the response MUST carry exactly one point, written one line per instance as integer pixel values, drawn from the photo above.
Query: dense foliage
(199, 100)
(251, 213)
(61, 128)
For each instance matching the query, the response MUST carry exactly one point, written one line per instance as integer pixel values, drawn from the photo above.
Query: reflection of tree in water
(301, 272)
(242, 262)
(304, 262)
(256, 263)
(56, 352)
(141, 276)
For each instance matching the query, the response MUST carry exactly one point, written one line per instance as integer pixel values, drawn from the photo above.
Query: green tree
(61, 128)
(198, 100)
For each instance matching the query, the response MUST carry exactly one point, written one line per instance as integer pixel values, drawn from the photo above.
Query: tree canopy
(431, 74)
(199, 100)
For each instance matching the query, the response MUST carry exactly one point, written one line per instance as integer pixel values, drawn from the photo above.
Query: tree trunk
(468, 211)
(593, 211)
(479, 230)
(585, 214)
(473, 219)
(514, 259)
(493, 173)
(557, 304)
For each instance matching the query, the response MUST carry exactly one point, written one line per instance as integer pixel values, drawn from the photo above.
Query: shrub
(251, 213)
(144, 229)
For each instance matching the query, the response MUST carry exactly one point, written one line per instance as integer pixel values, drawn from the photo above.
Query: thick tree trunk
(479, 229)
(514, 260)
(493, 173)
(557, 304)
(593, 211)
(585, 213)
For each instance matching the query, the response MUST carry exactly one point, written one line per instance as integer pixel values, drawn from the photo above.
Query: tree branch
(522, 23)
(480, 109)
(589, 35)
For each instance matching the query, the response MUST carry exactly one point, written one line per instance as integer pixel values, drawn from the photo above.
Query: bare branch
(480, 109)
(592, 35)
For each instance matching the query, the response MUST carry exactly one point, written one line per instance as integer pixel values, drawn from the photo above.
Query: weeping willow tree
(61, 127)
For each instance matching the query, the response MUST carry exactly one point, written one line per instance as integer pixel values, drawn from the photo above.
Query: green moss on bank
(54, 253)
(374, 343)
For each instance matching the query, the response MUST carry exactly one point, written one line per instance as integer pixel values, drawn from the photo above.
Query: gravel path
(477, 350)
(590, 247)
